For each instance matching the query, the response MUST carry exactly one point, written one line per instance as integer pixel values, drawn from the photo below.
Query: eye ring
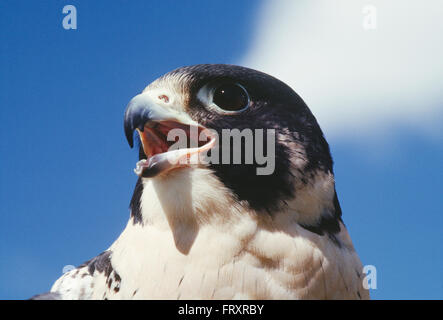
(229, 98)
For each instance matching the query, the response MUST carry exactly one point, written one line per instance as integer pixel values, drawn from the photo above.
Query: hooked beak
(163, 150)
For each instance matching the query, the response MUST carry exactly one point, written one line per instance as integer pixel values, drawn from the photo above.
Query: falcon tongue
(163, 155)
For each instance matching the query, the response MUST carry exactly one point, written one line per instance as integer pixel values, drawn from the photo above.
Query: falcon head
(267, 152)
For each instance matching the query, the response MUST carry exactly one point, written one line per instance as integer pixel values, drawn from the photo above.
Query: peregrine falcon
(261, 220)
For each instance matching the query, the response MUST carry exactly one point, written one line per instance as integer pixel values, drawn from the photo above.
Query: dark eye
(231, 97)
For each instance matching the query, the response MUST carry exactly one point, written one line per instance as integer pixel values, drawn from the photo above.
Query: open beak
(160, 130)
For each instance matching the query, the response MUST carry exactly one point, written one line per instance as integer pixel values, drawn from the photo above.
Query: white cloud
(356, 81)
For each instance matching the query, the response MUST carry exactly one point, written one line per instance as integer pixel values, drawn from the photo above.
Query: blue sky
(66, 169)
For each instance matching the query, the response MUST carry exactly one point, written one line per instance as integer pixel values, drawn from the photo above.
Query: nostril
(164, 97)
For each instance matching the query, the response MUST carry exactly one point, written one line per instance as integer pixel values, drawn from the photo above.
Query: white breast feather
(196, 242)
